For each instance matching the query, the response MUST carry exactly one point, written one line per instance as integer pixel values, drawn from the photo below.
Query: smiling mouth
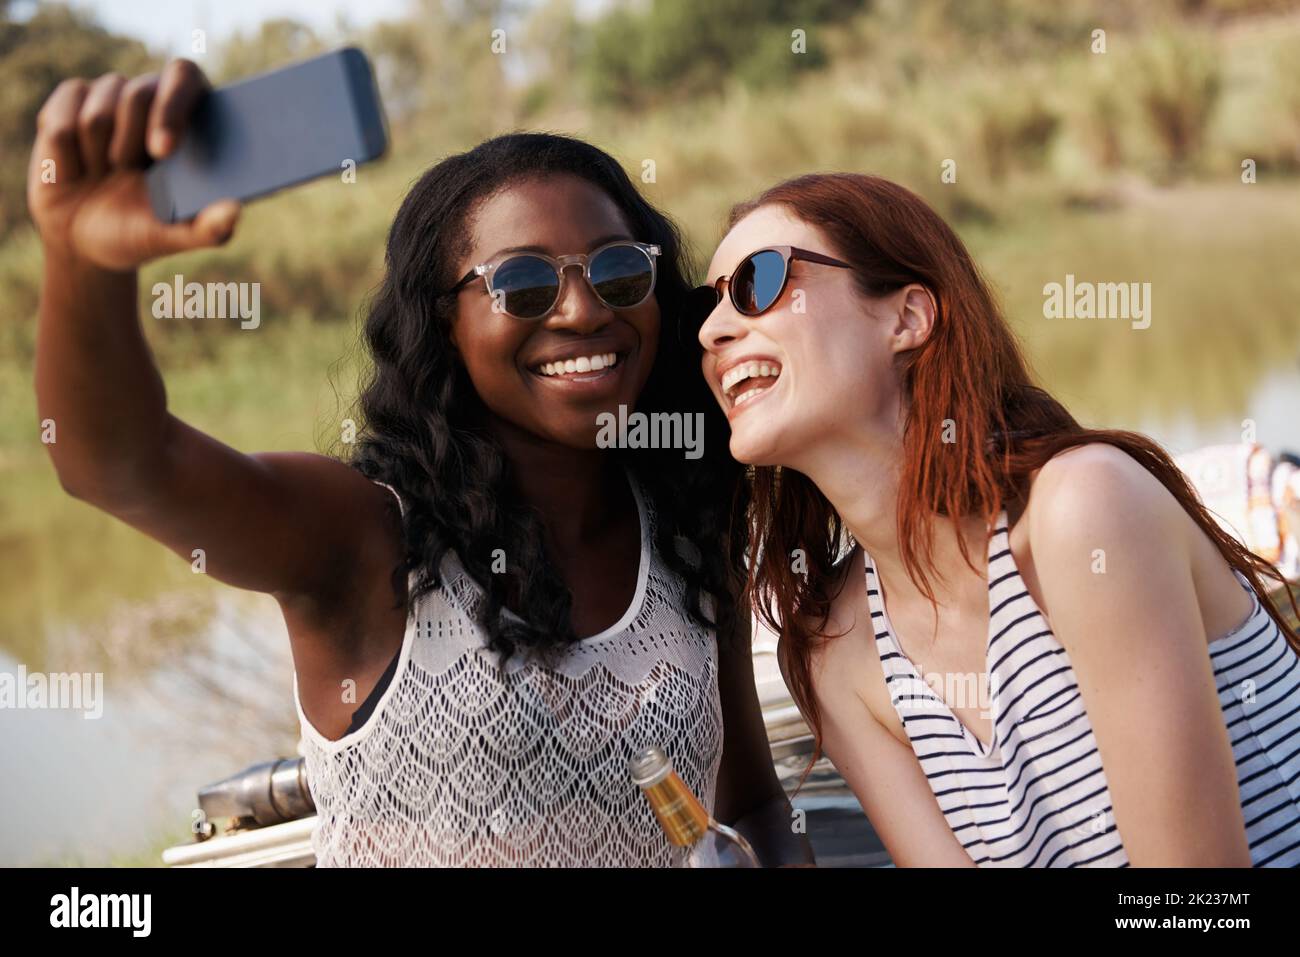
(580, 368)
(748, 380)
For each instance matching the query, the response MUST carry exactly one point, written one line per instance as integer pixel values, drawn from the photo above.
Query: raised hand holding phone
(124, 171)
(318, 117)
(86, 186)
(258, 519)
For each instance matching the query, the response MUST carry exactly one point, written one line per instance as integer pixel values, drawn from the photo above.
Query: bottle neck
(680, 813)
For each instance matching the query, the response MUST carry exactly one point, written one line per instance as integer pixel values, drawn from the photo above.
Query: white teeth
(746, 396)
(748, 370)
(593, 363)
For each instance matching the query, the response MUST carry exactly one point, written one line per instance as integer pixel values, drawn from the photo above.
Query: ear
(915, 319)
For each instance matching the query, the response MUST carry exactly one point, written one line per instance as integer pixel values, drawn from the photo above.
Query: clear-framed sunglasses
(528, 285)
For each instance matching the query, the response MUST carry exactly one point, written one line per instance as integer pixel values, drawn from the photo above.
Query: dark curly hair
(423, 422)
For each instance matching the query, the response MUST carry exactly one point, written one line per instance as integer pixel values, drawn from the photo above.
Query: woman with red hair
(1022, 642)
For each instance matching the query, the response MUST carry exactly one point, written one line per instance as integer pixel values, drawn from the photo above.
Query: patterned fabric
(1036, 795)
(461, 765)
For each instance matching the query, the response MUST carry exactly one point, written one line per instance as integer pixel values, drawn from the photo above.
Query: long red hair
(970, 370)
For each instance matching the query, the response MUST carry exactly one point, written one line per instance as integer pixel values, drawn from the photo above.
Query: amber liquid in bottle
(684, 820)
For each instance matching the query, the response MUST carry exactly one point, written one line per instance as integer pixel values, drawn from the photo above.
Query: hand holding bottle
(684, 819)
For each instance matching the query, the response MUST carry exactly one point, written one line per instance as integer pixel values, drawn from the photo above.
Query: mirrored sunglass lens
(529, 286)
(765, 270)
(622, 276)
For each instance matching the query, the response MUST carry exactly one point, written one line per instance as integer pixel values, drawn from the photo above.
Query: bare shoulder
(1097, 491)
(317, 474)
(1100, 533)
(365, 516)
(1095, 508)
(1097, 473)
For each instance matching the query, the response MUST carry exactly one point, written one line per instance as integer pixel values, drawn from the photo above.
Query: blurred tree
(1177, 77)
(641, 54)
(1286, 66)
(440, 68)
(276, 44)
(554, 45)
(55, 43)
(400, 66)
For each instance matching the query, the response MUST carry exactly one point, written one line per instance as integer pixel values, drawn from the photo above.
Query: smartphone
(277, 129)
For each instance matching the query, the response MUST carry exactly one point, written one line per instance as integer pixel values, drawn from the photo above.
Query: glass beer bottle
(684, 820)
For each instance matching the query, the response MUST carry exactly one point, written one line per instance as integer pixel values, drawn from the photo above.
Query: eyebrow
(609, 238)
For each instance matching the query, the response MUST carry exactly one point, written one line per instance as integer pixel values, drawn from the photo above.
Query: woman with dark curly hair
(518, 609)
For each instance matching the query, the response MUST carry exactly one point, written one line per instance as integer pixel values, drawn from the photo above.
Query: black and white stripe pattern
(1258, 677)
(1037, 795)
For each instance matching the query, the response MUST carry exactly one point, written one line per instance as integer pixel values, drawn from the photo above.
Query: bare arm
(289, 524)
(882, 771)
(1137, 644)
(750, 797)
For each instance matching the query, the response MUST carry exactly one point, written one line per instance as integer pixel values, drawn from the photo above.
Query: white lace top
(459, 767)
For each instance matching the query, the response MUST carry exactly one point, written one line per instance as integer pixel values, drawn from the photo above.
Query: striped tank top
(1037, 796)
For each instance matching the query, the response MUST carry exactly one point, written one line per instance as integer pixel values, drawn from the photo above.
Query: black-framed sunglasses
(528, 285)
(757, 283)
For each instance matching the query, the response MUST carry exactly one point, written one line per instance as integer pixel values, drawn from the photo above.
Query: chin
(752, 453)
(767, 440)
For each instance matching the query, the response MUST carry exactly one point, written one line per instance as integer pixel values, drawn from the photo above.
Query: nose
(722, 326)
(578, 309)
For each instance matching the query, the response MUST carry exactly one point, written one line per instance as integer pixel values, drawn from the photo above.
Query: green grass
(148, 854)
(267, 389)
